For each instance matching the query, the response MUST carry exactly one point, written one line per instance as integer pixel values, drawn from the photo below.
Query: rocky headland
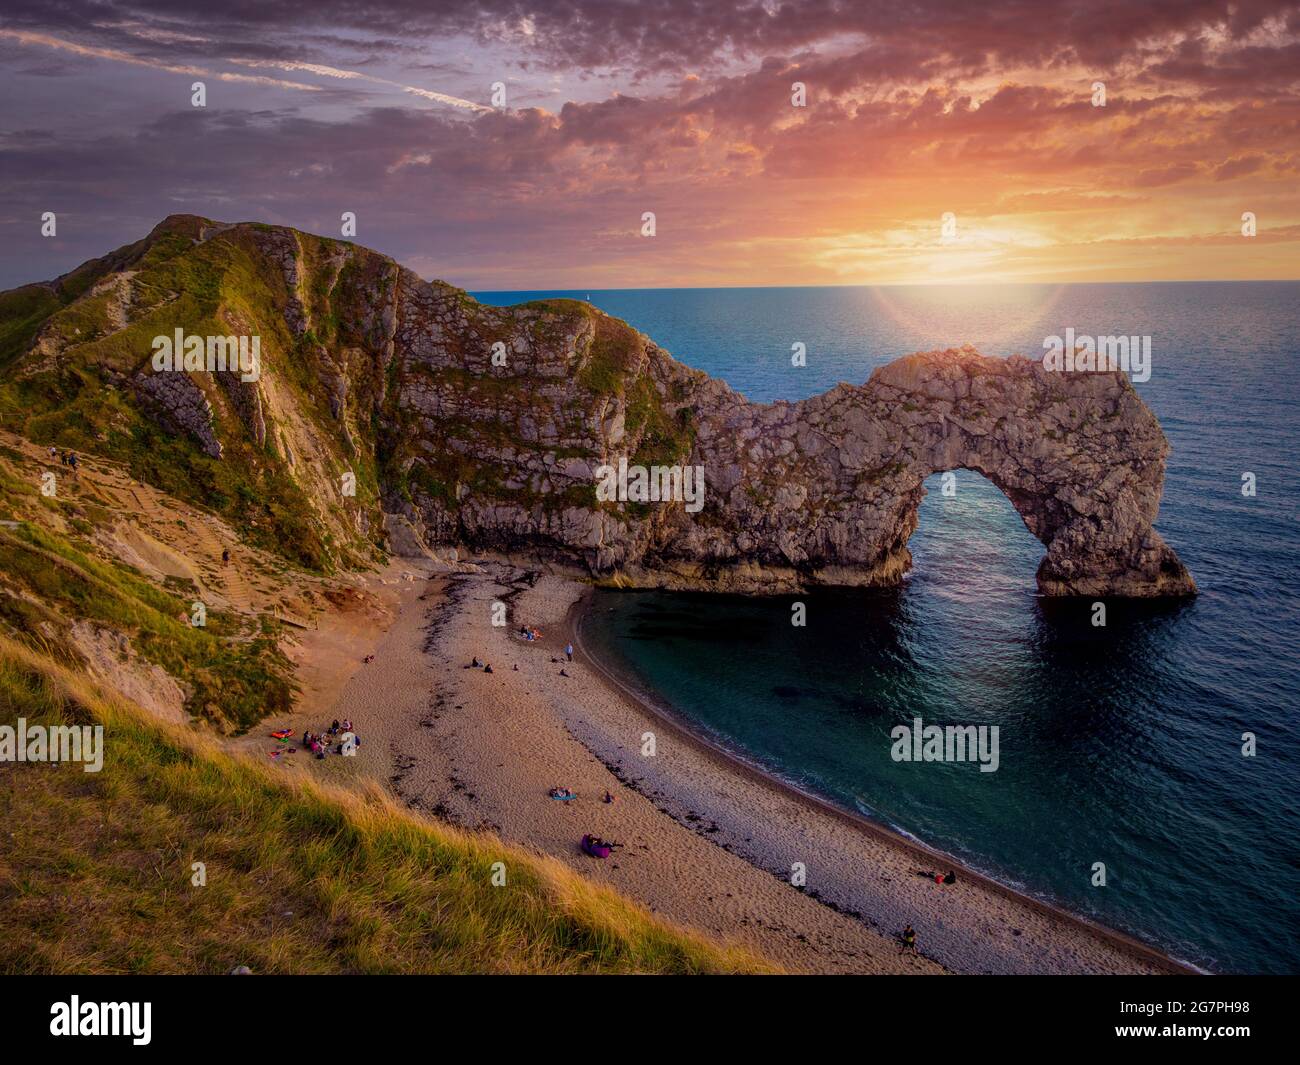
(471, 427)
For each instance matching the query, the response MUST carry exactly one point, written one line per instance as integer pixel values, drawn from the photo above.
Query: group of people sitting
(530, 634)
(597, 847)
(569, 793)
(339, 736)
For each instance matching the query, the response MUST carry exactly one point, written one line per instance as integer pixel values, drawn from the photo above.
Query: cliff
(486, 428)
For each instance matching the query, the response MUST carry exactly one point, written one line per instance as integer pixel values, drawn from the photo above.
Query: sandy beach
(707, 841)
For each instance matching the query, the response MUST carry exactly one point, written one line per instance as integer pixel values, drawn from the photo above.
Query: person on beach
(487, 669)
(909, 941)
(568, 651)
(225, 555)
(609, 797)
(938, 878)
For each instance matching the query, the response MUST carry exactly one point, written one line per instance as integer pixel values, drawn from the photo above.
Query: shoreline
(626, 687)
(709, 841)
(483, 750)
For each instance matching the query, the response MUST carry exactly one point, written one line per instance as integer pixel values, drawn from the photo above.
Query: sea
(1149, 768)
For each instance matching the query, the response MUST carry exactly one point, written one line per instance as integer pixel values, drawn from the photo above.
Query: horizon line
(893, 284)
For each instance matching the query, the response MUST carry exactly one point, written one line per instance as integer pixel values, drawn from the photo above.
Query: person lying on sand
(938, 878)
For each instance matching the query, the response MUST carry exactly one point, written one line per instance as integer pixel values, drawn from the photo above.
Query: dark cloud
(990, 103)
(671, 34)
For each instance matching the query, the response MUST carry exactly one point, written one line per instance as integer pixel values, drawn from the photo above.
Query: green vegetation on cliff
(366, 370)
(80, 397)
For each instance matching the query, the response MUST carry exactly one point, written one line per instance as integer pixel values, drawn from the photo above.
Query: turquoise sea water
(1120, 744)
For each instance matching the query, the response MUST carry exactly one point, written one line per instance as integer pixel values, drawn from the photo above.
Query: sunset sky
(682, 108)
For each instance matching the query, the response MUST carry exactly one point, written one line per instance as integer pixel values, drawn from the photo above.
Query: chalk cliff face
(484, 428)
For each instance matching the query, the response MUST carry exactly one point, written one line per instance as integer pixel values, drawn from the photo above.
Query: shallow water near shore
(1120, 744)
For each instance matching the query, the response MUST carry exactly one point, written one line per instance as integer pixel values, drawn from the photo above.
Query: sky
(519, 144)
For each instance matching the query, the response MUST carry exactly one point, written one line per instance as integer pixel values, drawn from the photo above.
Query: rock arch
(828, 489)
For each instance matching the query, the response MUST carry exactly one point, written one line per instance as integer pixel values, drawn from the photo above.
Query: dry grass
(95, 868)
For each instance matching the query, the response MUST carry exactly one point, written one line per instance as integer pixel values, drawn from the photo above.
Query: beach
(707, 841)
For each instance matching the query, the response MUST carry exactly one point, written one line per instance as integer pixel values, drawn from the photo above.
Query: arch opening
(970, 538)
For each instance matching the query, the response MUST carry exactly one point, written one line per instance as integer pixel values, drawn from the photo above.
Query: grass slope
(95, 868)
